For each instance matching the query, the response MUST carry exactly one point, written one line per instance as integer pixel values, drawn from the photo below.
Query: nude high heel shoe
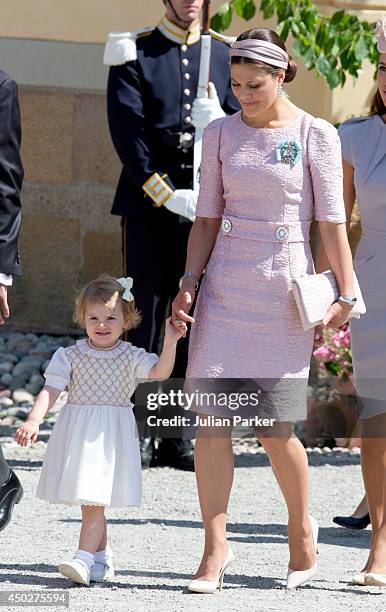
(359, 578)
(374, 579)
(297, 577)
(211, 586)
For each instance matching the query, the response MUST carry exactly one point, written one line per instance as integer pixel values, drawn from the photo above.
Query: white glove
(205, 110)
(183, 202)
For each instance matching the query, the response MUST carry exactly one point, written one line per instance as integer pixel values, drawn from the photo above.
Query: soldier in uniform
(153, 112)
(11, 178)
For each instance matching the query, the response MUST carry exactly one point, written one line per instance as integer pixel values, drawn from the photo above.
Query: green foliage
(333, 45)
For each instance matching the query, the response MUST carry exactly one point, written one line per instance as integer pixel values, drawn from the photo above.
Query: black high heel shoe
(350, 522)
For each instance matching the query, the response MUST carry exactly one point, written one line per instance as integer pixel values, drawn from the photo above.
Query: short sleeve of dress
(58, 371)
(325, 159)
(211, 201)
(142, 363)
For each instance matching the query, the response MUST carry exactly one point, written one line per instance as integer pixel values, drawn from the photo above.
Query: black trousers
(154, 256)
(5, 470)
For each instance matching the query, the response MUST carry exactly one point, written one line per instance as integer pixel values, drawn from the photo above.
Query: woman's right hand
(336, 315)
(27, 433)
(182, 303)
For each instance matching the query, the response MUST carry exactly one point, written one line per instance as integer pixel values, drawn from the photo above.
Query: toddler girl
(93, 457)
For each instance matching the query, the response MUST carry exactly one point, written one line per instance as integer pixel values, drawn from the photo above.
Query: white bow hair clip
(127, 284)
(380, 34)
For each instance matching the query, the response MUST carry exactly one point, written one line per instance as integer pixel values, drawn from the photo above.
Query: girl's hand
(183, 303)
(27, 433)
(173, 333)
(336, 315)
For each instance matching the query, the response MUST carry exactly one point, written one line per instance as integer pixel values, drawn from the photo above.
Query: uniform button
(184, 48)
(185, 61)
(187, 106)
(187, 76)
(188, 120)
(185, 150)
(187, 92)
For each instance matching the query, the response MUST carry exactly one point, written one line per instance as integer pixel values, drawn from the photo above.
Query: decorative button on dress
(93, 453)
(267, 185)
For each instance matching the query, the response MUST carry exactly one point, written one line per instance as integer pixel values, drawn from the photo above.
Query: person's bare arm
(28, 432)
(322, 261)
(201, 242)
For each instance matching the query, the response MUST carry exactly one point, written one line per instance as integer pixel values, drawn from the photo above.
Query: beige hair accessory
(380, 34)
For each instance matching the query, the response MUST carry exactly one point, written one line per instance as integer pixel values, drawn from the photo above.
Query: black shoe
(147, 450)
(350, 522)
(176, 453)
(10, 494)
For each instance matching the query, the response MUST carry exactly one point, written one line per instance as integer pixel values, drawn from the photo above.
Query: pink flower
(341, 338)
(324, 354)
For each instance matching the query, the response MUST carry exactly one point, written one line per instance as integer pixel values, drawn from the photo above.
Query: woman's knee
(213, 434)
(276, 437)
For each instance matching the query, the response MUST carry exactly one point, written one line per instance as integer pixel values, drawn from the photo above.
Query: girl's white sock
(85, 556)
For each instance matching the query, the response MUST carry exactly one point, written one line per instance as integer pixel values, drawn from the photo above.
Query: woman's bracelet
(189, 275)
(348, 300)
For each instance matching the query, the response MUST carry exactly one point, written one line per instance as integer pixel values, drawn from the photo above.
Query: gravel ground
(158, 546)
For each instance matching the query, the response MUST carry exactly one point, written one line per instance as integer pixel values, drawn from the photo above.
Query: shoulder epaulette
(229, 40)
(121, 47)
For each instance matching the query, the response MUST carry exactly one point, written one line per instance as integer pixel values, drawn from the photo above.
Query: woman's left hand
(336, 315)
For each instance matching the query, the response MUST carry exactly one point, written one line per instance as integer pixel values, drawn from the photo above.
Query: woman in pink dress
(266, 172)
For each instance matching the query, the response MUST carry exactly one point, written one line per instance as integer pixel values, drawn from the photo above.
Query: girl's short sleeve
(58, 371)
(142, 363)
(325, 159)
(211, 201)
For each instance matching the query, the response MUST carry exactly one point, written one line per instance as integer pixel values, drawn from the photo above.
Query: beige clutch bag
(314, 294)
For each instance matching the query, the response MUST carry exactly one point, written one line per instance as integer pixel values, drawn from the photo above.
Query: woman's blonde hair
(102, 290)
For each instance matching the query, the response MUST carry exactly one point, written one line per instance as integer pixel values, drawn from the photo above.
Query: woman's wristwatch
(189, 275)
(348, 300)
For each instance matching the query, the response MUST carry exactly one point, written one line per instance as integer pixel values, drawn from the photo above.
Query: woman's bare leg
(373, 461)
(361, 509)
(214, 467)
(290, 466)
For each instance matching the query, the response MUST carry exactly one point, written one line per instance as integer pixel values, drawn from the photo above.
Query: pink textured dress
(247, 323)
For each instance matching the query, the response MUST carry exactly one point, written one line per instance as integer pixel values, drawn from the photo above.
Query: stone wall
(68, 235)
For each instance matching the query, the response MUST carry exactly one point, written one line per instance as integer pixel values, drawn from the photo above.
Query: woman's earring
(280, 89)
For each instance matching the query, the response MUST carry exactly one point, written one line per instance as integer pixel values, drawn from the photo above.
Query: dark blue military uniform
(149, 102)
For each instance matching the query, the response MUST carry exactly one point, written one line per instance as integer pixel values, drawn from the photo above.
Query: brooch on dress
(288, 151)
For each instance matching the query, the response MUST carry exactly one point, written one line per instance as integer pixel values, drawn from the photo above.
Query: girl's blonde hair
(101, 290)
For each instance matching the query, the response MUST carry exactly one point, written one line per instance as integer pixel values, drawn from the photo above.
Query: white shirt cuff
(6, 279)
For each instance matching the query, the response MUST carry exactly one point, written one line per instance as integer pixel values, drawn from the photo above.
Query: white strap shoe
(75, 570)
(297, 577)
(211, 586)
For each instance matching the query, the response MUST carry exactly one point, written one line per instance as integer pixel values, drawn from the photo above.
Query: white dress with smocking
(93, 453)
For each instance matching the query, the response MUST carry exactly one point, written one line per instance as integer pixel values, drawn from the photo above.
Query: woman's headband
(260, 50)
(380, 35)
